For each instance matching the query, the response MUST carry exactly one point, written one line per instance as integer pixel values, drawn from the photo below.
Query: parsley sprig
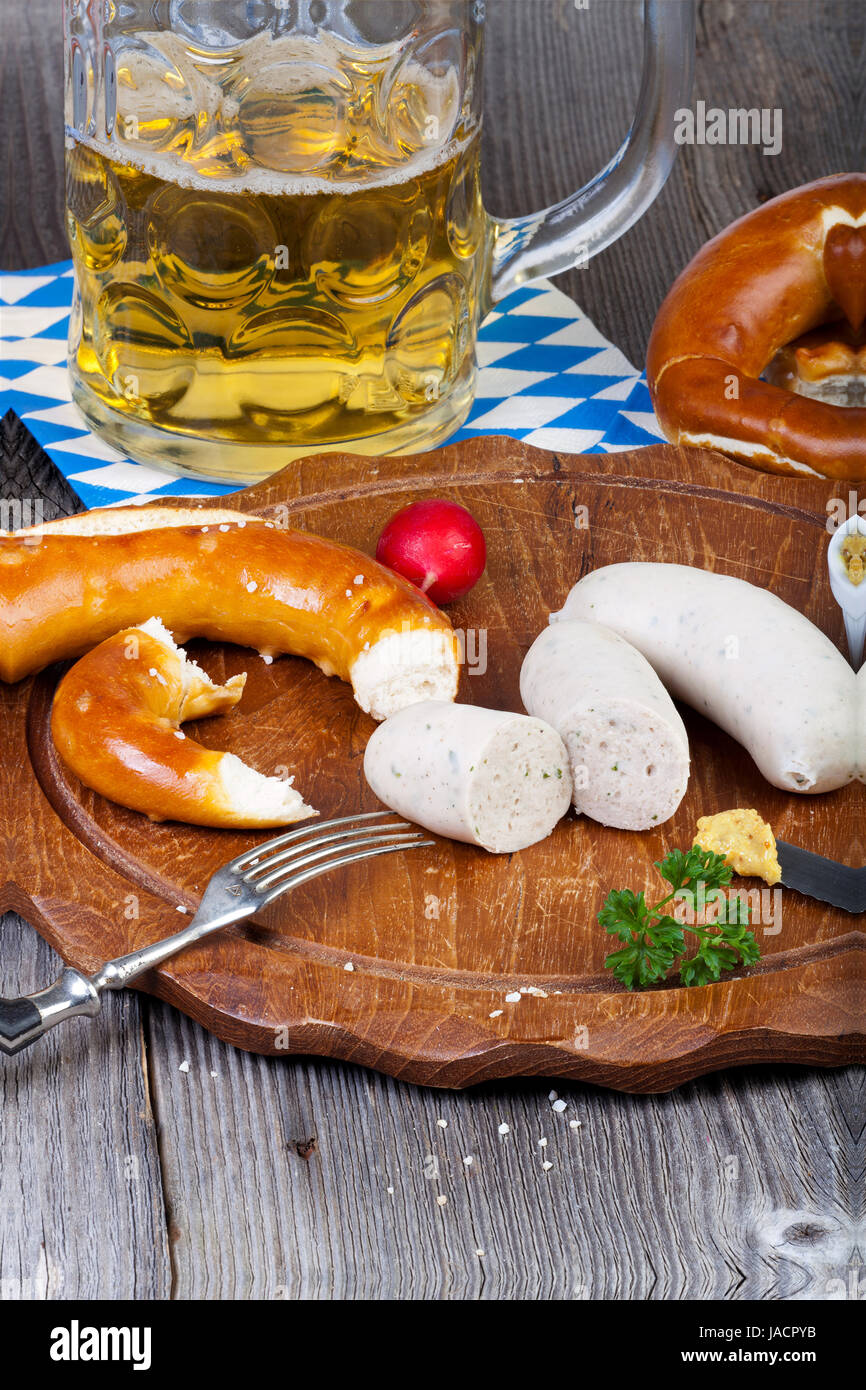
(655, 941)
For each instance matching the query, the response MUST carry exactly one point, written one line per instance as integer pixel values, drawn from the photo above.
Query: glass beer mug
(276, 223)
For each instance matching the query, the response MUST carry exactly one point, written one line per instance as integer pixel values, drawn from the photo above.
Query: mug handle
(570, 232)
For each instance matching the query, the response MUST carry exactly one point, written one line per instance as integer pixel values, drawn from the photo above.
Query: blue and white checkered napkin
(546, 375)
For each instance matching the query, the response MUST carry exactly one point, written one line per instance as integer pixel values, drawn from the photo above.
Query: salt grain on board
(513, 998)
(559, 1106)
(504, 1129)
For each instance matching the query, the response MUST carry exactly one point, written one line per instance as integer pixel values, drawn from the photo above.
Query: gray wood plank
(740, 1186)
(32, 229)
(81, 1208)
(744, 1185)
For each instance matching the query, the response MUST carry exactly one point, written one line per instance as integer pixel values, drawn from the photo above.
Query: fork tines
(315, 848)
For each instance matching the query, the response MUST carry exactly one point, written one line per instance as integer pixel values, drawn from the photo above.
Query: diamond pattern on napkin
(546, 375)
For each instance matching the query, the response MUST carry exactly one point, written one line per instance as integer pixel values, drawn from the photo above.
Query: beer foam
(259, 180)
(173, 77)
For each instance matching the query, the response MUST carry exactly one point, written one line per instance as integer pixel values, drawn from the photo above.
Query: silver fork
(239, 889)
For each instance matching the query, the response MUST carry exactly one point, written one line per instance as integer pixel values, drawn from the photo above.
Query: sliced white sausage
(485, 776)
(755, 666)
(627, 745)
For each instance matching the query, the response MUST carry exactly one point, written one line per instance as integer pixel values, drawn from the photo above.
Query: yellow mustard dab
(746, 841)
(853, 554)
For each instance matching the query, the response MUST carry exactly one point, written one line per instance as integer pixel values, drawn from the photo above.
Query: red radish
(438, 545)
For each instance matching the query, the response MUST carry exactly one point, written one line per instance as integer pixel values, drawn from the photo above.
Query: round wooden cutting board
(406, 963)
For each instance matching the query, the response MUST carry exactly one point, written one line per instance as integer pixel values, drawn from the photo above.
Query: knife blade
(822, 878)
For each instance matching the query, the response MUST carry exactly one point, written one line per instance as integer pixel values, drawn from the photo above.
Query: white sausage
(627, 745)
(485, 776)
(755, 666)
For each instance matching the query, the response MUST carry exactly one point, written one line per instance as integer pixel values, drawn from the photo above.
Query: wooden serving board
(438, 938)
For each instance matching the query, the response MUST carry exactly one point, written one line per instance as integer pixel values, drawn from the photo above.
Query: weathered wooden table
(201, 1172)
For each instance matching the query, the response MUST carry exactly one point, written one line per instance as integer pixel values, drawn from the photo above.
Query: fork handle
(27, 1018)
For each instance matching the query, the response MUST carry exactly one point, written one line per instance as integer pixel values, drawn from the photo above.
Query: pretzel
(116, 722)
(223, 575)
(828, 364)
(789, 267)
